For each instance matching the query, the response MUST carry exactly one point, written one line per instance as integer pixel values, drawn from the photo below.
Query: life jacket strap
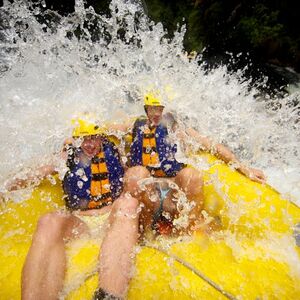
(148, 150)
(102, 197)
(100, 176)
(149, 135)
(101, 200)
(98, 160)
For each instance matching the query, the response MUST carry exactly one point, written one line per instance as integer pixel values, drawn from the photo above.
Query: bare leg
(190, 182)
(44, 268)
(117, 257)
(147, 195)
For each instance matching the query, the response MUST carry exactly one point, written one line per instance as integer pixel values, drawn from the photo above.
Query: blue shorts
(162, 196)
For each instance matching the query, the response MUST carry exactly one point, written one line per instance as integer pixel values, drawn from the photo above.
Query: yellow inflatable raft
(253, 256)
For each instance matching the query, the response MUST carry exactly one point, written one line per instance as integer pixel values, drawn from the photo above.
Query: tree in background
(268, 30)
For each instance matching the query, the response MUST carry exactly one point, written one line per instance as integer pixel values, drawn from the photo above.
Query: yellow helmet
(85, 128)
(151, 99)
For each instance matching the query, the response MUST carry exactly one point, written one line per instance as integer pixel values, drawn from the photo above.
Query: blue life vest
(77, 181)
(166, 152)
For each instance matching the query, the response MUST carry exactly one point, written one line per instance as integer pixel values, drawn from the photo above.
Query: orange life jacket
(150, 157)
(100, 185)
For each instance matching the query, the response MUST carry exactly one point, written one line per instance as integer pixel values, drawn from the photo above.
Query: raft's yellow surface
(254, 256)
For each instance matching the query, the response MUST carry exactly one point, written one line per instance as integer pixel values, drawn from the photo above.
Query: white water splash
(48, 75)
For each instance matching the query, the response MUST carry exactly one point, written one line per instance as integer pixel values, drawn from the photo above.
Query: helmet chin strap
(146, 109)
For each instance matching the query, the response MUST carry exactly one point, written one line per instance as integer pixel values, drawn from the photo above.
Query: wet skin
(154, 114)
(91, 145)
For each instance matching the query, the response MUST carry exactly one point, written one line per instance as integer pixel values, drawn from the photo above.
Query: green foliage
(267, 29)
(261, 26)
(195, 36)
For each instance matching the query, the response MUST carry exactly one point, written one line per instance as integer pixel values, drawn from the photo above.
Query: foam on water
(48, 75)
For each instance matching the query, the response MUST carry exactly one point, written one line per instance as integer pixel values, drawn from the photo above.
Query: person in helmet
(98, 205)
(149, 147)
(152, 154)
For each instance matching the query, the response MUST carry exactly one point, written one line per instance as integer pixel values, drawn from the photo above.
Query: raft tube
(252, 255)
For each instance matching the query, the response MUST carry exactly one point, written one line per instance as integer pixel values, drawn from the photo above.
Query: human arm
(30, 177)
(20, 181)
(225, 154)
